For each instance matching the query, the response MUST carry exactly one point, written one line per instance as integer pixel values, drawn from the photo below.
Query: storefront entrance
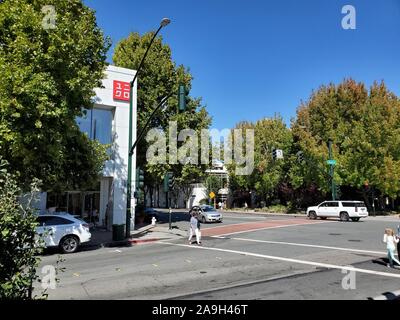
(92, 206)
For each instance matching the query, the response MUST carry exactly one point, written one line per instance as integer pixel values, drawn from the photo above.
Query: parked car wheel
(203, 219)
(344, 216)
(355, 219)
(69, 244)
(312, 215)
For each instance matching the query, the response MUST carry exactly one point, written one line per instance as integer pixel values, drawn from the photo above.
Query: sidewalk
(143, 234)
(267, 214)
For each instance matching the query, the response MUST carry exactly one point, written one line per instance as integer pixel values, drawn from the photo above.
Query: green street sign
(331, 162)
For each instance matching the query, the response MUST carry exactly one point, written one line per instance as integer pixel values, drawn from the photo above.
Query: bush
(275, 209)
(203, 201)
(19, 246)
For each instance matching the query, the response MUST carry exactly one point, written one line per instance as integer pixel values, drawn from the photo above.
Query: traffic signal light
(182, 97)
(168, 181)
(338, 192)
(139, 178)
(171, 180)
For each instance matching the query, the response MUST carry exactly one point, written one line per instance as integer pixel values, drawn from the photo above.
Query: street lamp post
(164, 22)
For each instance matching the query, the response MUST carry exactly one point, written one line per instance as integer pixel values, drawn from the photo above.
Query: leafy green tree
(270, 134)
(212, 184)
(47, 76)
(240, 182)
(19, 247)
(364, 127)
(159, 77)
(268, 174)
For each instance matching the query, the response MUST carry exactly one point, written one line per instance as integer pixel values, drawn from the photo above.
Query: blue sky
(252, 59)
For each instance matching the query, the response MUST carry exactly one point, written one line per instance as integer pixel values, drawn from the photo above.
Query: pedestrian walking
(194, 229)
(391, 240)
(245, 206)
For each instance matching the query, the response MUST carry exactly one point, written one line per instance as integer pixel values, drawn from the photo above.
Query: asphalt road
(245, 257)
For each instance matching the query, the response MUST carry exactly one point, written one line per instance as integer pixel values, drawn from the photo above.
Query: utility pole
(164, 22)
(332, 170)
(170, 218)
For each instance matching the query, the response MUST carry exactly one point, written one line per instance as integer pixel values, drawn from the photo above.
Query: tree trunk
(366, 200)
(151, 190)
(158, 196)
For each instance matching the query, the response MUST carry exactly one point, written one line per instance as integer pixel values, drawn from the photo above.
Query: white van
(344, 210)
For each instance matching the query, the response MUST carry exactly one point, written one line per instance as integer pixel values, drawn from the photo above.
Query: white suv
(63, 231)
(344, 210)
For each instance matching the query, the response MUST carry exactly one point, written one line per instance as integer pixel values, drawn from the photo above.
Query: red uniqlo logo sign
(121, 90)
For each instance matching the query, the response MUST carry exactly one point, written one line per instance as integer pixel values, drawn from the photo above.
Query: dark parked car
(149, 214)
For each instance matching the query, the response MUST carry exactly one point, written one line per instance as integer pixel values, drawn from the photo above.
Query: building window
(97, 124)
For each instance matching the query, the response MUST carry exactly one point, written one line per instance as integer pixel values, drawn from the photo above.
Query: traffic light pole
(163, 23)
(143, 131)
(132, 150)
(170, 218)
(332, 172)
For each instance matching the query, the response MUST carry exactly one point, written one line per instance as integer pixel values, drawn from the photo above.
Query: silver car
(207, 213)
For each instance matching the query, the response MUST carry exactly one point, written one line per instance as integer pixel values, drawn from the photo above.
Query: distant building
(198, 193)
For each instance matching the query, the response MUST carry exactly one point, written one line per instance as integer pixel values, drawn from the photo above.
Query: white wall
(117, 168)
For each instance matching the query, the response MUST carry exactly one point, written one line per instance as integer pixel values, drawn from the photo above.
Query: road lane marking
(273, 227)
(265, 221)
(225, 216)
(239, 224)
(305, 245)
(298, 261)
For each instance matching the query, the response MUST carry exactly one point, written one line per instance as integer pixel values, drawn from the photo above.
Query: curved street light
(164, 22)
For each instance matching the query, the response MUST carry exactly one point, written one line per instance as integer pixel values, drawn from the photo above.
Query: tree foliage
(47, 77)
(19, 247)
(159, 77)
(364, 127)
(268, 174)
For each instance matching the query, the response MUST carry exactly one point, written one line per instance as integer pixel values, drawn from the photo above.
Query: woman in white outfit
(391, 241)
(194, 229)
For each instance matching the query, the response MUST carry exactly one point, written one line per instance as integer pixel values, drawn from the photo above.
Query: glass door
(91, 207)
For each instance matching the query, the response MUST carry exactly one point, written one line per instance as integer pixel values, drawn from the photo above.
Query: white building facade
(107, 122)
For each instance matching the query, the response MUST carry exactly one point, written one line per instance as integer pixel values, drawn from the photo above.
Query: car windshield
(208, 209)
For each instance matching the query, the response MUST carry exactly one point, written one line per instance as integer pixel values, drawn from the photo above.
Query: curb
(169, 234)
(143, 241)
(129, 242)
